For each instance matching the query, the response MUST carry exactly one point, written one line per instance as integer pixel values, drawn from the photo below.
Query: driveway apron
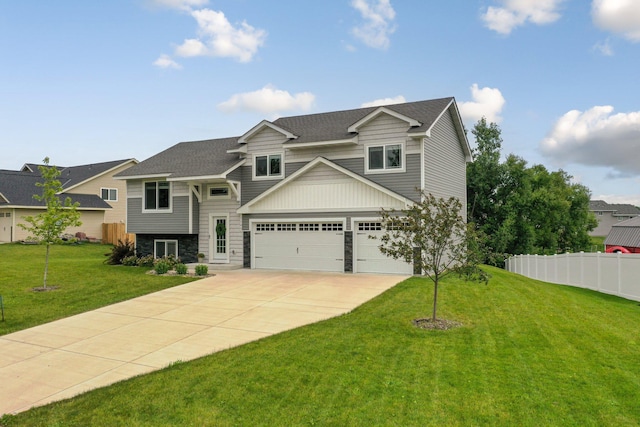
(70, 356)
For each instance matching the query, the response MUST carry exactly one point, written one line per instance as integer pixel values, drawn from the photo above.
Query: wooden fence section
(616, 274)
(113, 232)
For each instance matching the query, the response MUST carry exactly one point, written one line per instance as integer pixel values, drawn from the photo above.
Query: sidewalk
(64, 358)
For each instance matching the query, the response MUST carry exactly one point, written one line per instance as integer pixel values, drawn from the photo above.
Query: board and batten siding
(445, 166)
(234, 227)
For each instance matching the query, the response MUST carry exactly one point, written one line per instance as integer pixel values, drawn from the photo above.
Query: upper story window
(267, 166)
(221, 192)
(385, 158)
(157, 196)
(109, 194)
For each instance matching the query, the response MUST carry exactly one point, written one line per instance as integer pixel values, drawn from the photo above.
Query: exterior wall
(187, 245)
(445, 168)
(234, 227)
(94, 186)
(606, 221)
(346, 216)
(174, 222)
(91, 223)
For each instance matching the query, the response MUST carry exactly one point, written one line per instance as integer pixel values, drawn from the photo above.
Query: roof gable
(322, 185)
(261, 126)
(377, 112)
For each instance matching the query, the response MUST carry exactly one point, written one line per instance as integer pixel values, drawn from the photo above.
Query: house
(102, 199)
(624, 236)
(301, 193)
(610, 214)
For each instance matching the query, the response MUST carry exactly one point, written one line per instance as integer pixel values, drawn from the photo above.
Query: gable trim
(246, 209)
(382, 110)
(260, 126)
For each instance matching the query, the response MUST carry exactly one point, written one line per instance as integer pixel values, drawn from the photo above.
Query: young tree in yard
(431, 233)
(48, 226)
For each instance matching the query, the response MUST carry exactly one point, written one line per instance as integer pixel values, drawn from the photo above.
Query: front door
(220, 235)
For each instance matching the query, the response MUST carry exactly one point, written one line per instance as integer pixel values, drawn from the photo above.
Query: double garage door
(320, 246)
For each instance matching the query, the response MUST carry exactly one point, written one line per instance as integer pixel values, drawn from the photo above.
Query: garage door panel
(299, 246)
(369, 259)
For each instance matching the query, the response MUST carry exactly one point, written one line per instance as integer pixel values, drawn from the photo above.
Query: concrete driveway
(61, 359)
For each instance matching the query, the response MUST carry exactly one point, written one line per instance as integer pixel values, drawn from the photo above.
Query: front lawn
(84, 283)
(529, 354)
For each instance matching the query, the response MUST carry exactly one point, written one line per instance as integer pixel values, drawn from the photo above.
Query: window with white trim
(267, 166)
(157, 196)
(385, 158)
(109, 194)
(165, 248)
(219, 192)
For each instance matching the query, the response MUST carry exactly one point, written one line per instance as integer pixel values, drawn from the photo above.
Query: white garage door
(299, 246)
(368, 258)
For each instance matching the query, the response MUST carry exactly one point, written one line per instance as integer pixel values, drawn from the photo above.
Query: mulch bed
(439, 324)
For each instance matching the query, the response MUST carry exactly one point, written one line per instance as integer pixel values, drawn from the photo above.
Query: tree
(48, 226)
(431, 233)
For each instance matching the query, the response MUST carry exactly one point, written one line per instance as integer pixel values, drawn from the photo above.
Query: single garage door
(368, 258)
(299, 246)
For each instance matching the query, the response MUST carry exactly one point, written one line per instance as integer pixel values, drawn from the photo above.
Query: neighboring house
(300, 193)
(102, 199)
(610, 214)
(624, 235)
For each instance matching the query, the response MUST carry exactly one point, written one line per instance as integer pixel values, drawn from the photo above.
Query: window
(109, 194)
(382, 158)
(266, 166)
(219, 192)
(165, 248)
(157, 196)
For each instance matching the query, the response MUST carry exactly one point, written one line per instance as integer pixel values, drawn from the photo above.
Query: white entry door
(219, 238)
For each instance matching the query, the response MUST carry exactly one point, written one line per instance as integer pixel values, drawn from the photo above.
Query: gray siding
(444, 162)
(176, 222)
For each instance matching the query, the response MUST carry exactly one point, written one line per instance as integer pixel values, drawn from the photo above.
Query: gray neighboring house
(101, 197)
(610, 214)
(300, 193)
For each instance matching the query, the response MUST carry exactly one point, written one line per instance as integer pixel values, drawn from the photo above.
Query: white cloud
(218, 37)
(179, 4)
(165, 61)
(604, 48)
(378, 24)
(487, 102)
(385, 101)
(515, 13)
(268, 100)
(618, 16)
(596, 137)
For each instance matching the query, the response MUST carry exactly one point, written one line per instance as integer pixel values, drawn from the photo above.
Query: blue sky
(86, 81)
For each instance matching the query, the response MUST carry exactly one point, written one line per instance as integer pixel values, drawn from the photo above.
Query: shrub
(172, 260)
(146, 261)
(202, 270)
(120, 251)
(181, 268)
(161, 267)
(130, 261)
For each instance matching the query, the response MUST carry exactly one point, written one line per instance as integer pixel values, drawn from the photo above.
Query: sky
(93, 81)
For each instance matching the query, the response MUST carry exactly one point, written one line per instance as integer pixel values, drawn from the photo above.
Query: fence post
(2, 307)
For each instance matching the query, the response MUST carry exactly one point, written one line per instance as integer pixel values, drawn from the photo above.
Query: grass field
(84, 282)
(529, 354)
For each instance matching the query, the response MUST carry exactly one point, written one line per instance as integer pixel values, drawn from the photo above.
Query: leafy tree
(48, 226)
(431, 231)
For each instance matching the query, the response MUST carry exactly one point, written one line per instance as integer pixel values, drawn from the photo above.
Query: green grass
(529, 354)
(597, 243)
(84, 283)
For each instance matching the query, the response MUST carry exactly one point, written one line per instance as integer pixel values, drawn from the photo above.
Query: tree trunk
(435, 299)
(46, 266)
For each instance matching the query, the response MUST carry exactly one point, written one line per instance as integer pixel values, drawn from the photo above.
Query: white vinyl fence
(616, 274)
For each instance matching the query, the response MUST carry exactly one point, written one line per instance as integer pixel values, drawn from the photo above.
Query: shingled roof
(617, 209)
(209, 158)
